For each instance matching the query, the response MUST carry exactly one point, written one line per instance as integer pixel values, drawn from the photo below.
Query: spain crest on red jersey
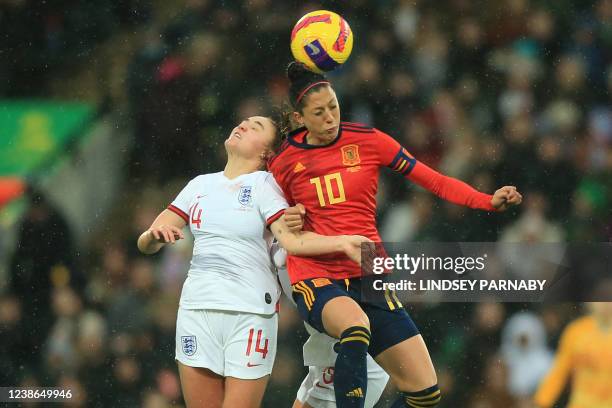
(350, 155)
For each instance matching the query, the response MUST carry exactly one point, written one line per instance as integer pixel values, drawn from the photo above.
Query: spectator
(525, 353)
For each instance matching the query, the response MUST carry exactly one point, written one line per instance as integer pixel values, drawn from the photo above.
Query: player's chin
(230, 142)
(331, 133)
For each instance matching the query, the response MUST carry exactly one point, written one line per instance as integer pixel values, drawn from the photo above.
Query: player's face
(252, 138)
(321, 116)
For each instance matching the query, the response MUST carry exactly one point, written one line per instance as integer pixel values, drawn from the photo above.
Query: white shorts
(317, 389)
(231, 344)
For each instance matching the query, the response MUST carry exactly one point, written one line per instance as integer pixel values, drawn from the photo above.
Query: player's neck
(237, 167)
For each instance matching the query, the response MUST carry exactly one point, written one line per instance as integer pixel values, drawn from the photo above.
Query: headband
(301, 95)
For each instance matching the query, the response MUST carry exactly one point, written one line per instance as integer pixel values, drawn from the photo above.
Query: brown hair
(302, 82)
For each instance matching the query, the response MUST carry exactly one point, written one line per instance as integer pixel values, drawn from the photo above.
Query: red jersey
(337, 183)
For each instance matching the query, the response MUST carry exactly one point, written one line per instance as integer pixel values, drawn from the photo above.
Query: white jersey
(231, 267)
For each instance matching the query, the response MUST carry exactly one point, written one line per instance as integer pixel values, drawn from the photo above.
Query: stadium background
(109, 107)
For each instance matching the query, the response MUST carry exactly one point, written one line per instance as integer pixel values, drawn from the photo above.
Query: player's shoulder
(360, 131)
(203, 178)
(357, 127)
(579, 327)
(208, 178)
(285, 147)
(259, 176)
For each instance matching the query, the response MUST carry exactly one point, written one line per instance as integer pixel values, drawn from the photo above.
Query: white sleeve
(272, 202)
(180, 205)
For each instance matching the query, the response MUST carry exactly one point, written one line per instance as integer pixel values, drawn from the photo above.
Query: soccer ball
(321, 40)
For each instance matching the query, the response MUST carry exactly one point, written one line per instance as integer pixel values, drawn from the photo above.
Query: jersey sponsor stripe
(179, 212)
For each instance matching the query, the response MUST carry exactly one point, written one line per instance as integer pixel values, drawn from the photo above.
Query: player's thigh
(409, 364)
(244, 393)
(199, 339)
(399, 348)
(250, 348)
(340, 313)
(326, 305)
(201, 387)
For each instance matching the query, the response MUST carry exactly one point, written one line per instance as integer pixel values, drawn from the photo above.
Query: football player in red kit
(331, 168)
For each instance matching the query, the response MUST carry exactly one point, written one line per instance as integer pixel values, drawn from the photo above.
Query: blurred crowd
(515, 92)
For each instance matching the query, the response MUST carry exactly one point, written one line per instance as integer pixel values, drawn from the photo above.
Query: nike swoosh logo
(253, 365)
(321, 386)
(313, 49)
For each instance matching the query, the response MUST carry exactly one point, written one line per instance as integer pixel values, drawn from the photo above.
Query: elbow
(144, 245)
(141, 248)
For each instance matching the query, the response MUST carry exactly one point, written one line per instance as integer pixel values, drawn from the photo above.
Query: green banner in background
(32, 132)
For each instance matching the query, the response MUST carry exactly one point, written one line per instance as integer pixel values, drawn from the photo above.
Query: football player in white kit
(227, 321)
(317, 389)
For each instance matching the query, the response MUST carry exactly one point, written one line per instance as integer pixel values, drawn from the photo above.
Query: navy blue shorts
(390, 324)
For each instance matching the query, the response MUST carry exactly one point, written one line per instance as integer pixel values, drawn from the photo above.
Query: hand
(294, 217)
(506, 197)
(352, 246)
(166, 233)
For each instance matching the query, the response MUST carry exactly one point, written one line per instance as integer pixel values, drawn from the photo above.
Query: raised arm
(555, 381)
(397, 158)
(459, 192)
(167, 228)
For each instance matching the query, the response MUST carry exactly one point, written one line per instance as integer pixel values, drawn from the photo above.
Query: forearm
(311, 244)
(450, 189)
(147, 244)
(305, 243)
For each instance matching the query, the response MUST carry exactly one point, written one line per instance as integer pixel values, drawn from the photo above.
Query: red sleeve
(448, 188)
(387, 147)
(275, 169)
(394, 156)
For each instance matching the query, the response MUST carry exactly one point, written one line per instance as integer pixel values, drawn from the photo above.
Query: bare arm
(311, 244)
(166, 228)
(552, 385)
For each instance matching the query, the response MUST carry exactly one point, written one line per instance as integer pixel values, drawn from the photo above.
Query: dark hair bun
(298, 72)
(300, 77)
